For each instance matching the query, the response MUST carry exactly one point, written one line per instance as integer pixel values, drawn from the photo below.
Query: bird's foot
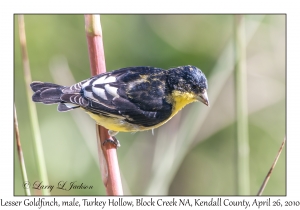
(115, 141)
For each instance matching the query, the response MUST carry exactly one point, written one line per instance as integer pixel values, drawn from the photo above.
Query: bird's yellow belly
(116, 124)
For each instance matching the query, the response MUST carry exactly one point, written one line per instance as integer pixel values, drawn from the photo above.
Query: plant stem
(109, 164)
(243, 177)
(20, 152)
(38, 147)
(271, 170)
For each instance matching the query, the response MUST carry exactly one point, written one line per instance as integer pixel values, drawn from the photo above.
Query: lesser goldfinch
(129, 99)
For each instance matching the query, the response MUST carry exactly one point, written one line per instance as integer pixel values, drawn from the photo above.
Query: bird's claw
(115, 141)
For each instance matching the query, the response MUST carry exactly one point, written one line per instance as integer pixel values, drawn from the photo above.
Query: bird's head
(189, 81)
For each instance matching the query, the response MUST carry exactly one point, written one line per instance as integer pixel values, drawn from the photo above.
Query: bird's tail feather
(49, 93)
(46, 93)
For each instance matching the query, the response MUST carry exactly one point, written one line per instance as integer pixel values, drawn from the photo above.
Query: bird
(129, 99)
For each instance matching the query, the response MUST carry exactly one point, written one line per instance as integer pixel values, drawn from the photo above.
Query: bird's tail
(46, 93)
(49, 93)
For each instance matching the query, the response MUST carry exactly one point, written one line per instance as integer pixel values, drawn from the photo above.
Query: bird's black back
(141, 95)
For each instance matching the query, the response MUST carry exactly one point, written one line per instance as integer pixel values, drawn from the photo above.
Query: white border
(6, 72)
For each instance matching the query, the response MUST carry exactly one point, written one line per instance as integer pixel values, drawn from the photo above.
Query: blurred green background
(195, 152)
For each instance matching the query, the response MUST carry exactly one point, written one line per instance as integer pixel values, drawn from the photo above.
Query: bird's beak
(204, 98)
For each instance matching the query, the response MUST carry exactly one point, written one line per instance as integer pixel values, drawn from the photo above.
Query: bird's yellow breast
(177, 98)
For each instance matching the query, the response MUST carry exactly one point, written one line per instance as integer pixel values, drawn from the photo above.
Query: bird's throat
(180, 100)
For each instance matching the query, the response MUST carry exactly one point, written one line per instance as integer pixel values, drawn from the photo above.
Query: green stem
(243, 177)
(37, 142)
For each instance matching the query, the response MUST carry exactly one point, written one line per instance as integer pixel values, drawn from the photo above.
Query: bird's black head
(189, 81)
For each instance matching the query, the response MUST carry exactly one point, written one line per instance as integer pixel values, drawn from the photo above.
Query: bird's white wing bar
(99, 92)
(111, 90)
(104, 80)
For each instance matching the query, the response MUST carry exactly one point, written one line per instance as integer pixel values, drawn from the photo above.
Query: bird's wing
(136, 94)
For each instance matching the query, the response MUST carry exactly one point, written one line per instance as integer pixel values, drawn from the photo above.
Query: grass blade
(38, 147)
(242, 143)
(20, 152)
(271, 170)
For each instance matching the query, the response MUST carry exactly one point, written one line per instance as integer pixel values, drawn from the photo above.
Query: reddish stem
(111, 174)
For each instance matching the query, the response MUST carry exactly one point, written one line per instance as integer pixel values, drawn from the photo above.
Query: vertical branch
(38, 147)
(109, 164)
(241, 108)
(20, 152)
